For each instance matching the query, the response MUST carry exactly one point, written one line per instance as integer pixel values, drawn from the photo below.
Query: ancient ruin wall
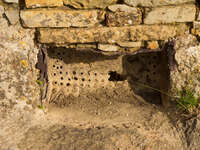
(110, 25)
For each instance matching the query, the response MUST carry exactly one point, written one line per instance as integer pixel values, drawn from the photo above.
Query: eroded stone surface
(108, 47)
(1, 10)
(13, 16)
(61, 18)
(186, 73)
(123, 15)
(19, 93)
(152, 44)
(84, 4)
(130, 44)
(43, 3)
(11, 1)
(170, 14)
(112, 34)
(154, 3)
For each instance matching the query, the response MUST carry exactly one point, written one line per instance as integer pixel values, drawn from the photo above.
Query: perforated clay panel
(74, 72)
(77, 73)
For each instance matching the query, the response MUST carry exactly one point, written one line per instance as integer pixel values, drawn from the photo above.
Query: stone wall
(110, 25)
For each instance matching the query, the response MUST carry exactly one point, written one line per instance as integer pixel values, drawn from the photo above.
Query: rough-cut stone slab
(84, 4)
(155, 3)
(130, 44)
(43, 3)
(60, 18)
(11, 1)
(1, 10)
(123, 15)
(110, 34)
(170, 14)
(152, 45)
(108, 47)
(196, 24)
(12, 15)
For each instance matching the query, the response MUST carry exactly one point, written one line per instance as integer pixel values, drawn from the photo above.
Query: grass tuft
(187, 101)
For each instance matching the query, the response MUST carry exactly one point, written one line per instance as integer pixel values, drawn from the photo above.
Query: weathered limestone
(152, 45)
(43, 3)
(196, 24)
(108, 47)
(131, 44)
(84, 4)
(12, 15)
(111, 34)
(155, 3)
(123, 15)
(185, 74)
(11, 1)
(170, 14)
(60, 18)
(1, 10)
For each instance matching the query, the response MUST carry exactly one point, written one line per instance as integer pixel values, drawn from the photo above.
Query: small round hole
(58, 53)
(68, 84)
(69, 79)
(83, 79)
(54, 74)
(74, 72)
(89, 80)
(61, 67)
(95, 74)
(61, 78)
(57, 61)
(81, 85)
(60, 72)
(75, 78)
(54, 66)
(57, 67)
(81, 73)
(61, 83)
(55, 82)
(66, 73)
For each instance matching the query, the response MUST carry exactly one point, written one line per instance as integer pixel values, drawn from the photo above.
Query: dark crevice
(114, 76)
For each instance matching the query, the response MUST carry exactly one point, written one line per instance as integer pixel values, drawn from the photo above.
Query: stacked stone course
(125, 26)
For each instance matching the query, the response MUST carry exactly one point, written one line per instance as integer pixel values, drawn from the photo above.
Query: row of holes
(82, 79)
(68, 84)
(74, 72)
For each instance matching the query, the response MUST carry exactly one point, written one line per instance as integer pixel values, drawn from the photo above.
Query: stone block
(111, 34)
(43, 3)
(170, 14)
(61, 18)
(13, 16)
(85, 4)
(11, 1)
(130, 44)
(155, 3)
(108, 47)
(152, 45)
(123, 15)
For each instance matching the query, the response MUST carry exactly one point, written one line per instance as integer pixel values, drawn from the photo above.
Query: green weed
(187, 101)
(39, 82)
